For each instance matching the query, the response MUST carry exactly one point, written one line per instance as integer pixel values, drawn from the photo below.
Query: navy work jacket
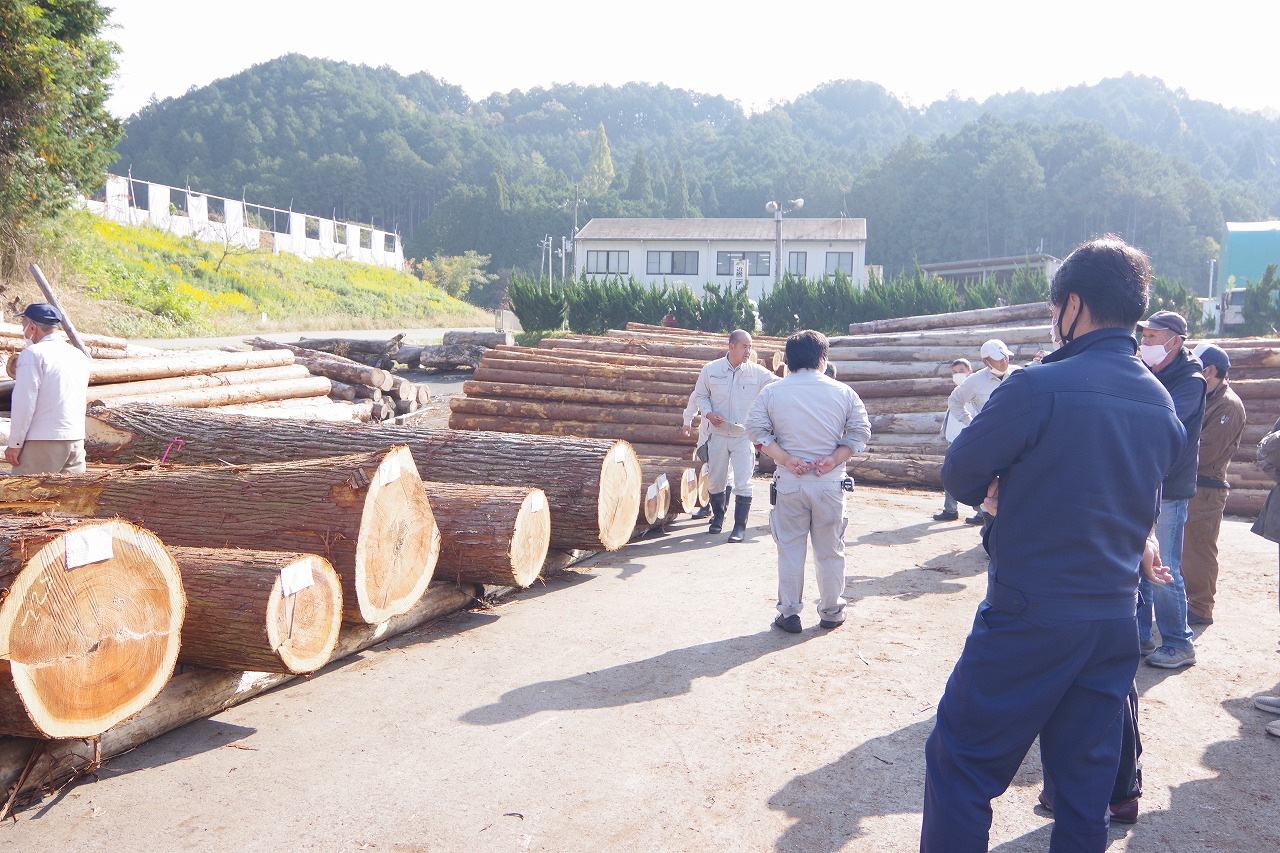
(1081, 444)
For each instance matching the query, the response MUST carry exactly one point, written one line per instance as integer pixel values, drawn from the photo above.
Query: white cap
(995, 350)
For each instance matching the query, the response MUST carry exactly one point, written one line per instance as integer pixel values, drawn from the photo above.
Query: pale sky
(752, 52)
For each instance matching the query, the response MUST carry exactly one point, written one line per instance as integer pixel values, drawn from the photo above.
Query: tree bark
(490, 534)
(574, 429)
(90, 620)
(1036, 311)
(265, 611)
(366, 513)
(486, 339)
(559, 394)
(592, 486)
(352, 347)
(441, 357)
(896, 471)
(221, 395)
(670, 366)
(184, 364)
(551, 377)
(209, 380)
(840, 356)
(556, 411)
(693, 352)
(868, 389)
(906, 405)
(332, 366)
(970, 336)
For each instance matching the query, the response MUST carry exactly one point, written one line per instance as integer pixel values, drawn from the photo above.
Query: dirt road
(640, 702)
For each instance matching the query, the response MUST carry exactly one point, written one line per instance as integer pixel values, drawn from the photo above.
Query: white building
(696, 251)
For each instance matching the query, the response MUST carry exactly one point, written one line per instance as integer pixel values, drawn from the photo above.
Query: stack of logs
(633, 385)
(901, 369)
(356, 539)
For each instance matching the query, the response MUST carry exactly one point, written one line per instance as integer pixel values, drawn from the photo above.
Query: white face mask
(1153, 354)
(959, 378)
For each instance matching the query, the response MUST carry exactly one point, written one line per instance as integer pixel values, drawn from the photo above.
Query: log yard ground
(639, 701)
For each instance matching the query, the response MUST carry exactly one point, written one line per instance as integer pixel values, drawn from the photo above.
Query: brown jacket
(1220, 437)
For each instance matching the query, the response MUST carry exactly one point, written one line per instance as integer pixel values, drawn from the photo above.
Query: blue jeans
(1168, 601)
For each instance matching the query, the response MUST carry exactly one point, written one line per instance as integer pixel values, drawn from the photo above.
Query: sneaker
(790, 624)
(976, 519)
(1197, 619)
(1149, 646)
(946, 516)
(1270, 704)
(1124, 812)
(1166, 657)
(1273, 728)
(831, 625)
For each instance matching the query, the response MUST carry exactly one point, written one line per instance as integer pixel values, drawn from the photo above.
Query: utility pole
(777, 211)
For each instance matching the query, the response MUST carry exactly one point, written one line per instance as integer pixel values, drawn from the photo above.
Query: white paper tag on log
(388, 474)
(88, 545)
(652, 492)
(296, 577)
(662, 482)
(690, 476)
(537, 500)
(620, 453)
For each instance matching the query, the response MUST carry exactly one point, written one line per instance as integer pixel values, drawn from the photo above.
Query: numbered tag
(88, 545)
(388, 474)
(537, 501)
(295, 578)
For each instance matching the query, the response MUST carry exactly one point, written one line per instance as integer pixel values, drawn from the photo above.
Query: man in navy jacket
(1075, 450)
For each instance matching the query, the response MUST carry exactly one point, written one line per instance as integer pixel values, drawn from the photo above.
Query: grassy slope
(141, 282)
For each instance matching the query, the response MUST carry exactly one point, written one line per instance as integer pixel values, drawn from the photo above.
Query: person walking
(50, 387)
(1224, 421)
(1074, 450)
(1163, 335)
(809, 424)
(724, 393)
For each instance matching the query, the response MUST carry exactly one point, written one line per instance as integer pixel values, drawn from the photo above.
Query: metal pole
(777, 224)
(47, 290)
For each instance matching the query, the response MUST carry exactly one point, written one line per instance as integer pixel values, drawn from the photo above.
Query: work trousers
(1200, 548)
(726, 452)
(46, 456)
(1128, 784)
(1017, 678)
(1167, 602)
(809, 509)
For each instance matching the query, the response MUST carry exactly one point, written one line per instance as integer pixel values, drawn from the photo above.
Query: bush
(1260, 309)
(537, 305)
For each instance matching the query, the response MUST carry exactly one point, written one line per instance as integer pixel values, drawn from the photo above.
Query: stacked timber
(592, 487)
(369, 386)
(98, 346)
(367, 514)
(265, 611)
(90, 619)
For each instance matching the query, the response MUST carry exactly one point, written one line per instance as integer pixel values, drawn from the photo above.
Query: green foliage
(1261, 308)
(599, 174)
(537, 305)
(1169, 295)
(726, 310)
(55, 131)
(456, 275)
(146, 283)
(592, 306)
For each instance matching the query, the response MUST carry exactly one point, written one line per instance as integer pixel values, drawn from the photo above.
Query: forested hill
(956, 179)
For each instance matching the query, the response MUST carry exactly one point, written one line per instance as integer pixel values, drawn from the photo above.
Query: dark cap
(42, 313)
(1215, 355)
(1171, 320)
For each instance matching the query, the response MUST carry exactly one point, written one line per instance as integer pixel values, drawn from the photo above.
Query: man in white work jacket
(46, 430)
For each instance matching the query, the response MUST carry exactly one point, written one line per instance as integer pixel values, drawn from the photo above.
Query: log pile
(370, 387)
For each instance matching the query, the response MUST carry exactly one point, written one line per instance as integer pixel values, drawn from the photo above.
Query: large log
(13, 332)
(222, 395)
(208, 380)
(332, 366)
(644, 329)
(867, 389)
(976, 317)
(191, 696)
(366, 513)
(694, 352)
(897, 471)
(553, 393)
(556, 411)
(592, 486)
(568, 429)
(682, 479)
(673, 366)
(928, 423)
(495, 535)
(905, 405)
(554, 378)
(857, 371)
(90, 615)
(183, 364)
(968, 336)
(1246, 502)
(352, 348)
(479, 337)
(654, 502)
(440, 357)
(266, 611)
(939, 354)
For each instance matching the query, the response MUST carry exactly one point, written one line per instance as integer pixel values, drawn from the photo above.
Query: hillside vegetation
(139, 282)
(956, 179)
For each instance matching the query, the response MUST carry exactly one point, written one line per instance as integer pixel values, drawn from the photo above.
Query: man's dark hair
(805, 349)
(1111, 277)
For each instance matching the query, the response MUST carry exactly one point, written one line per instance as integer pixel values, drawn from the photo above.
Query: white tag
(88, 545)
(295, 578)
(537, 500)
(661, 482)
(388, 474)
(652, 492)
(620, 453)
(690, 476)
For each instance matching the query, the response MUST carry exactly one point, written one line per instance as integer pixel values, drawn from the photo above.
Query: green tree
(599, 174)
(55, 132)
(456, 275)
(678, 194)
(640, 180)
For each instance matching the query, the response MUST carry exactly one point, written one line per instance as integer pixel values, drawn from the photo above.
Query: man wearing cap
(1163, 334)
(724, 393)
(971, 395)
(46, 430)
(1219, 439)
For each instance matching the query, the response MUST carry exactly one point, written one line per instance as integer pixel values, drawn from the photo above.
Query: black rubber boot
(701, 512)
(741, 509)
(717, 512)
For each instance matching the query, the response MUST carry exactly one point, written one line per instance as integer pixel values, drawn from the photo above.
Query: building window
(672, 263)
(607, 263)
(797, 263)
(840, 262)
(757, 262)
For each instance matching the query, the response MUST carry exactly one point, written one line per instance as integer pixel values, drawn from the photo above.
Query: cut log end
(394, 565)
(619, 499)
(531, 538)
(303, 627)
(86, 645)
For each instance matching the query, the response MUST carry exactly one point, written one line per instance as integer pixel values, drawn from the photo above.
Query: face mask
(1153, 354)
(1060, 337)
(1000, 373)
(959, 378)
